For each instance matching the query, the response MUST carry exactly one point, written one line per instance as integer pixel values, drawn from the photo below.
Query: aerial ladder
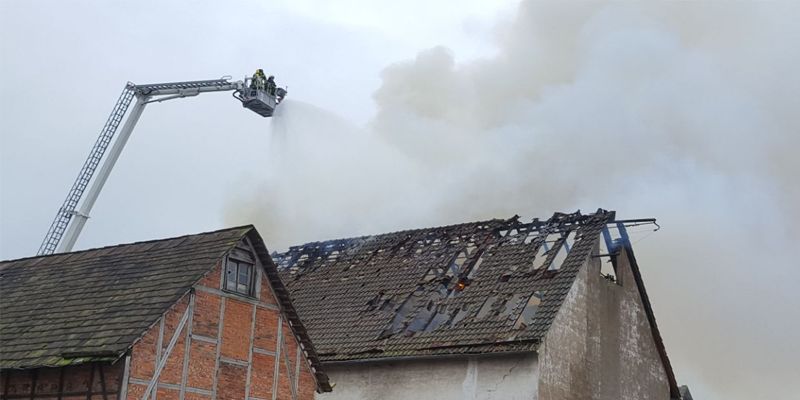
(254, 95)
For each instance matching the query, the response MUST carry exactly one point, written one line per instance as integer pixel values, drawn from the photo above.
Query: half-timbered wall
(211, 344)
(87, 381)
(228, 347)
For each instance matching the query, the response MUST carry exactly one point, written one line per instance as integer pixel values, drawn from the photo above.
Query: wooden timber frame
(103, 382)
(212, 341)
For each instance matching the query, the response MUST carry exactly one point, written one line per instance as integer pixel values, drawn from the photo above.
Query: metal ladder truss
(158, 88)
(67, 210)
(69, 213)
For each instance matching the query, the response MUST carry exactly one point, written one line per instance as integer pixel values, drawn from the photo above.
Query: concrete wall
(488, 377)
(600, 345)
(232, 347)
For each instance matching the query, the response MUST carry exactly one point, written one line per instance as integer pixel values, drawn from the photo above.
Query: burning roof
(477, 287)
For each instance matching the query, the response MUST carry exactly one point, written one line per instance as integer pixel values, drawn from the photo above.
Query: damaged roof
(478, 287)
(92, 305)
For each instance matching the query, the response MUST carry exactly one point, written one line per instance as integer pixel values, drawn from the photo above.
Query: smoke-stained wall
(600, 345)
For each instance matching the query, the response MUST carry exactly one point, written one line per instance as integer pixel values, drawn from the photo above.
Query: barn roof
(92, 305)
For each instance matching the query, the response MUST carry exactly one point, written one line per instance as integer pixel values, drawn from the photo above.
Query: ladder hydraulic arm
(70, 218)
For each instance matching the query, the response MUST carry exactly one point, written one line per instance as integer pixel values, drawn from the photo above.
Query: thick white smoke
(682, 111)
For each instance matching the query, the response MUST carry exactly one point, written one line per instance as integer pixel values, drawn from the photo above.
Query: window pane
(244, 274)
(230, 275)
(244, 278)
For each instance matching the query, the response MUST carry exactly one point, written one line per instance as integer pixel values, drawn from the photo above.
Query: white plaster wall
(486, 377)
(600, 345)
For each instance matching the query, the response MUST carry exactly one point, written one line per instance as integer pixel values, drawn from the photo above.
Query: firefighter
(271, 85)
(259, 80)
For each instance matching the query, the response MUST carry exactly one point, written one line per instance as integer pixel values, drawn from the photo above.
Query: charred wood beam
(637, 222)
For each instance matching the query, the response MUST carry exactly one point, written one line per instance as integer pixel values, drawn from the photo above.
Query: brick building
(195, 317)
(550, 309)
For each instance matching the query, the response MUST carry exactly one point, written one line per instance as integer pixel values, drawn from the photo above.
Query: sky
(415, 114)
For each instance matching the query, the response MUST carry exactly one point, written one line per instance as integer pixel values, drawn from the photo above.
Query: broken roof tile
(426, 291)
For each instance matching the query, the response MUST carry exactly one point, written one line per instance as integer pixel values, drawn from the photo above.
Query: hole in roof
(471, 247)
(402, 313)
(388, 303)
(569, 242)
(475, 266)
(460, 315)
(431, 275)
(510, 305)
(563, 251)
(529, 312)
(457, 265)
(607, 266)
(541, 256)
(439, 319)
(486, 308)
(420, 321)
(561, 255)
(374, 302)
(614, 232)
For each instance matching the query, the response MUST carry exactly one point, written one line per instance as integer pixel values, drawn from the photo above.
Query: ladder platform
(262, 102)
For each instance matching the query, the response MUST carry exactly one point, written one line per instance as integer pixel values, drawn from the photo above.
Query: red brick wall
(76, 382)
(238, 365)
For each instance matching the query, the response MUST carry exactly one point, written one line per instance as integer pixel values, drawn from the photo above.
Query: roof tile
(378, 296)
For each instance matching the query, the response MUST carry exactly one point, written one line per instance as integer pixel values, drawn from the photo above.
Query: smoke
(687, 112)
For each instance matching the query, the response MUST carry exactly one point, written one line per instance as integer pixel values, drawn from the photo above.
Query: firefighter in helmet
(271, 85)
(259, 80)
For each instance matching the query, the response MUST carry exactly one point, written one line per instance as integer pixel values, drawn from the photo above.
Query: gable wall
(600, 345)
(231, 353)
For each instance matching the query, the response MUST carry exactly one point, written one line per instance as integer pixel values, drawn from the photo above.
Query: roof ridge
(130, 243)
(461, 224)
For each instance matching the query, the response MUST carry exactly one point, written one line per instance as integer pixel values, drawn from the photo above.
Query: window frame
(251, 284)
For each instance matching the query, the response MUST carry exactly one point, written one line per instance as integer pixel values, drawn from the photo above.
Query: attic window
(240, 277)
